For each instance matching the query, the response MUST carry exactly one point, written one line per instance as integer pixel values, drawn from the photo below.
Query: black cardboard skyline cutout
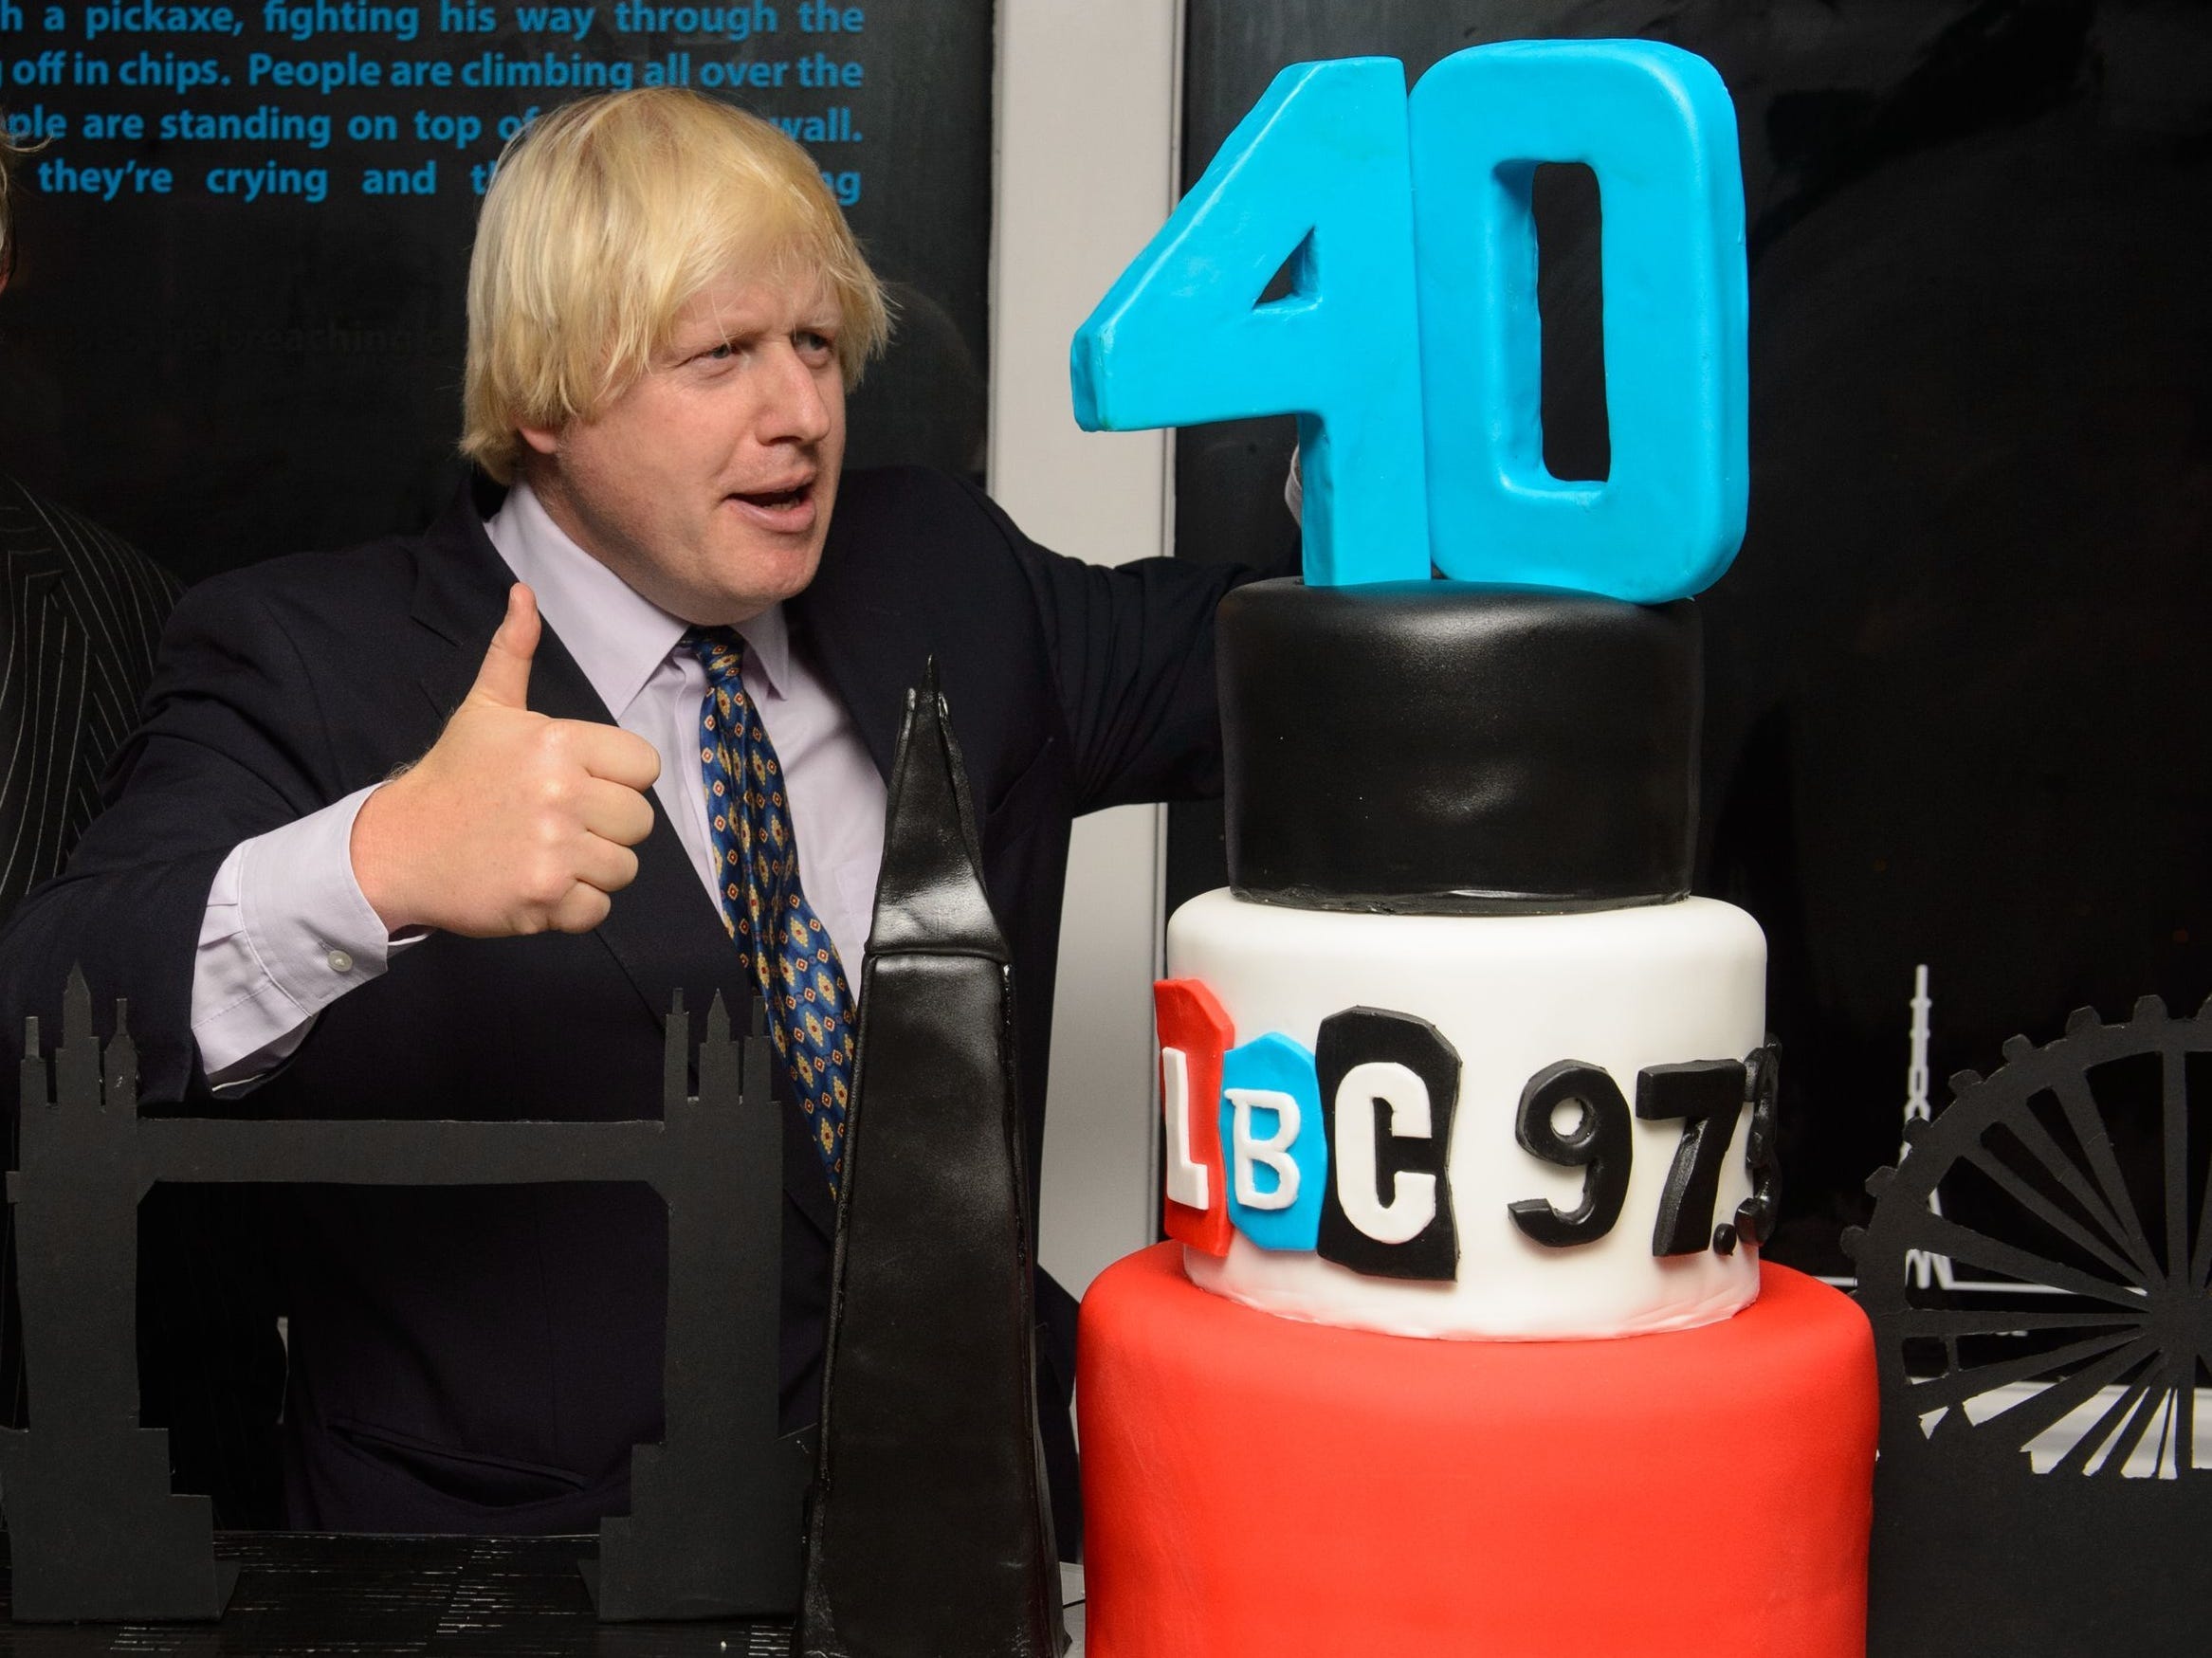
(931, 1531)
(96, 1536)
(2036, 1271)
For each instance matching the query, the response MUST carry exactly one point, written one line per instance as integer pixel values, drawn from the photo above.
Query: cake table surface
(453, 1597)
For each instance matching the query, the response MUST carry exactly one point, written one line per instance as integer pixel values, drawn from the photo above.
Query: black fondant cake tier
(1447, 748)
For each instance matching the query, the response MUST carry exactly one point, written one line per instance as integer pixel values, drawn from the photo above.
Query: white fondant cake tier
(1622, 988)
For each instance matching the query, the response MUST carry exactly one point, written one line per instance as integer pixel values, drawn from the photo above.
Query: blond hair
(605, 218)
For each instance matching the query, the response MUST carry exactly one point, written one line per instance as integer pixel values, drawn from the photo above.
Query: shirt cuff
(286, 932)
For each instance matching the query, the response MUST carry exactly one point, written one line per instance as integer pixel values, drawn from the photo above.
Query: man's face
(708, 485)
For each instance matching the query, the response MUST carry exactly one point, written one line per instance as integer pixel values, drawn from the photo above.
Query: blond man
(420, 829)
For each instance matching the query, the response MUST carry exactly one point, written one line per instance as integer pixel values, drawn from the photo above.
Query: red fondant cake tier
(1258, 1486)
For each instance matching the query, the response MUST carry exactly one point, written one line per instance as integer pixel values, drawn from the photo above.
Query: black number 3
(1755, 1215)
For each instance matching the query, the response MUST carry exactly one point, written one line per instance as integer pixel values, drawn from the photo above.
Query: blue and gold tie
(788, 951)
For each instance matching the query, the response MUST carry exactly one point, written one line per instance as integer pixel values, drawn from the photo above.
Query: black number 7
(1708, 1094)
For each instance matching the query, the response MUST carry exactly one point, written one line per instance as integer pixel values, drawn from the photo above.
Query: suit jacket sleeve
(81, 615)
(1132, 653)
(232, 746)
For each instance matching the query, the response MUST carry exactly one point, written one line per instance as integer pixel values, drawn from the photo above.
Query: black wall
(221, 379)
(1957, 678)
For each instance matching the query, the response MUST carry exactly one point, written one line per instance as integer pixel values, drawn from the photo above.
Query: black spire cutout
(929, 898)
(931, 1532)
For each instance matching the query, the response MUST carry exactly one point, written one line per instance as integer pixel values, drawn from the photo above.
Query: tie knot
(721, 651)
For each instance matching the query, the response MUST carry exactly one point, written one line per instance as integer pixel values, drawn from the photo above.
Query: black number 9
(1600, 1147)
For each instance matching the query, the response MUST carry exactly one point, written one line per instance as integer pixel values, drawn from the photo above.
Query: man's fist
(513, 822)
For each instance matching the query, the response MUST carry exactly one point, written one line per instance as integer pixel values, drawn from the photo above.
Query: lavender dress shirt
(288, 932)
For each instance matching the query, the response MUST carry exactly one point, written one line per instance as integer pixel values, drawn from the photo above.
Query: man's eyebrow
(712, 328)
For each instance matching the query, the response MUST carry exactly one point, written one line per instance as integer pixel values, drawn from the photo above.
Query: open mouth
(775, 500)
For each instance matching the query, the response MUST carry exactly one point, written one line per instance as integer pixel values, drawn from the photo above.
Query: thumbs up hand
(513, 822)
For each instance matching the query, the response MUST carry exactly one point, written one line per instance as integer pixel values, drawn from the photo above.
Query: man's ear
(542, 439)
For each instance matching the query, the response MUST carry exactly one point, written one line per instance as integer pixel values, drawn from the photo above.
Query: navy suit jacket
(483, 1360)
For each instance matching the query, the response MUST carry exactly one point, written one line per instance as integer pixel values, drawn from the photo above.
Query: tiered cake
(1463, 1342)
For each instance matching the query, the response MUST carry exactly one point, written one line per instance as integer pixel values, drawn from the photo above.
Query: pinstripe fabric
(82, 615)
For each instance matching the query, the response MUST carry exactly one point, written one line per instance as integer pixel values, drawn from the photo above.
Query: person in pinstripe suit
(81, 612)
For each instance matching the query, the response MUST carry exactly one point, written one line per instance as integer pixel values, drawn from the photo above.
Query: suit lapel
(874, 615)
(460, 592)
(870, 660)
(662, 929)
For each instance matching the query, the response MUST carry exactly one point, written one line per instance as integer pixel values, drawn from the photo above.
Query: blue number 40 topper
(1409, 344)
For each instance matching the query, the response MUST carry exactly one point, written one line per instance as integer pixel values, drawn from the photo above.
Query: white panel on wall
(1086, 170)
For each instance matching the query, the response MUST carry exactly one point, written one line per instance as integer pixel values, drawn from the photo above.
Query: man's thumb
(505, 678)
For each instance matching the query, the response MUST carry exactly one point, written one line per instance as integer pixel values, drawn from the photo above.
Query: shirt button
(340, 961)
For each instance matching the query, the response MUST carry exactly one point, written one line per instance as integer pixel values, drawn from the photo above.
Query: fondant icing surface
(1620, 989)
(1266, 1490)
(1487, 749)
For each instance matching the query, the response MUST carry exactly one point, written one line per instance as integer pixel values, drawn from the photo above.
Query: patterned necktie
(788, 951)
